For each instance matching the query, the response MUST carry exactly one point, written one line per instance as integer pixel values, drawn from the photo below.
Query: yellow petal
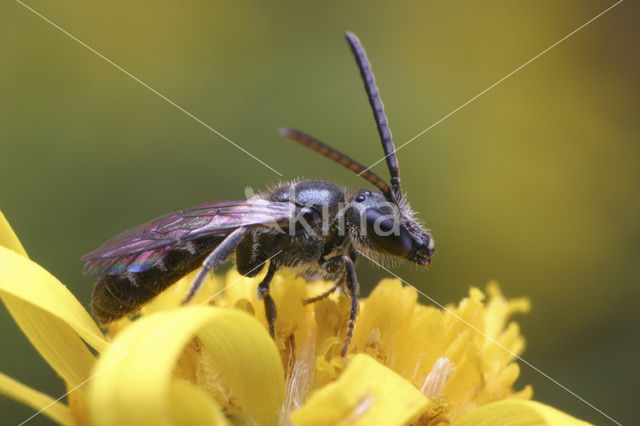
(189, 406)
(385, 315)
(517, 412)
(133, 378)
(8, 238)
(367, 393)
(56, 411)
(49, 315)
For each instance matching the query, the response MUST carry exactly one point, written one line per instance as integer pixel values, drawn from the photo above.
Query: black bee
(313, 226)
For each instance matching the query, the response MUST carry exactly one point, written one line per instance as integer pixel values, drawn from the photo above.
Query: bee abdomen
(115, 296)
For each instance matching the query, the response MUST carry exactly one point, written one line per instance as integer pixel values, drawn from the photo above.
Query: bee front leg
(350, 280)
(325, 294)
(269, 304)
(354, 291)
(331, 265)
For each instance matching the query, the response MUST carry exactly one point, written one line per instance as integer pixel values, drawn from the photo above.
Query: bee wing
(143, 245)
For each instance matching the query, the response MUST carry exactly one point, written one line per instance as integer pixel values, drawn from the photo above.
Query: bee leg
(269, 304)
(352, 288)
(325, 294)
(217, 256)
(332, 265)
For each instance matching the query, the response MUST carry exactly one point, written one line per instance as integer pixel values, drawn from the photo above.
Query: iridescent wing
(139, 248)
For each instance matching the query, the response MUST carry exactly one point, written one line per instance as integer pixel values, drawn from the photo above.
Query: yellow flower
(213, 362)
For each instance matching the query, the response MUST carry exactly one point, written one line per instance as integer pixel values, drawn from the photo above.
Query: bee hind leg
(217, 256)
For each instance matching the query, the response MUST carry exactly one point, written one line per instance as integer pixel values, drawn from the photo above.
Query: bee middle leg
(250, 262)
(269, 304)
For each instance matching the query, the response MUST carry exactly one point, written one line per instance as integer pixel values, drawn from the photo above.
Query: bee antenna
(337, 156)
(378, 111)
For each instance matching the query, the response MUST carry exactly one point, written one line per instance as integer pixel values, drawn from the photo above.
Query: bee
(313, 226)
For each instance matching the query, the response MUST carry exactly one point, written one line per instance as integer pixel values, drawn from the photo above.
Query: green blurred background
(534, 184)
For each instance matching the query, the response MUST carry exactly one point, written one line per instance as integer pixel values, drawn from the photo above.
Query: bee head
(388, 227)
(378, 221)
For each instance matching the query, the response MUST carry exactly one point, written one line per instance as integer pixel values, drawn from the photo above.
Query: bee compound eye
(360, 198)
